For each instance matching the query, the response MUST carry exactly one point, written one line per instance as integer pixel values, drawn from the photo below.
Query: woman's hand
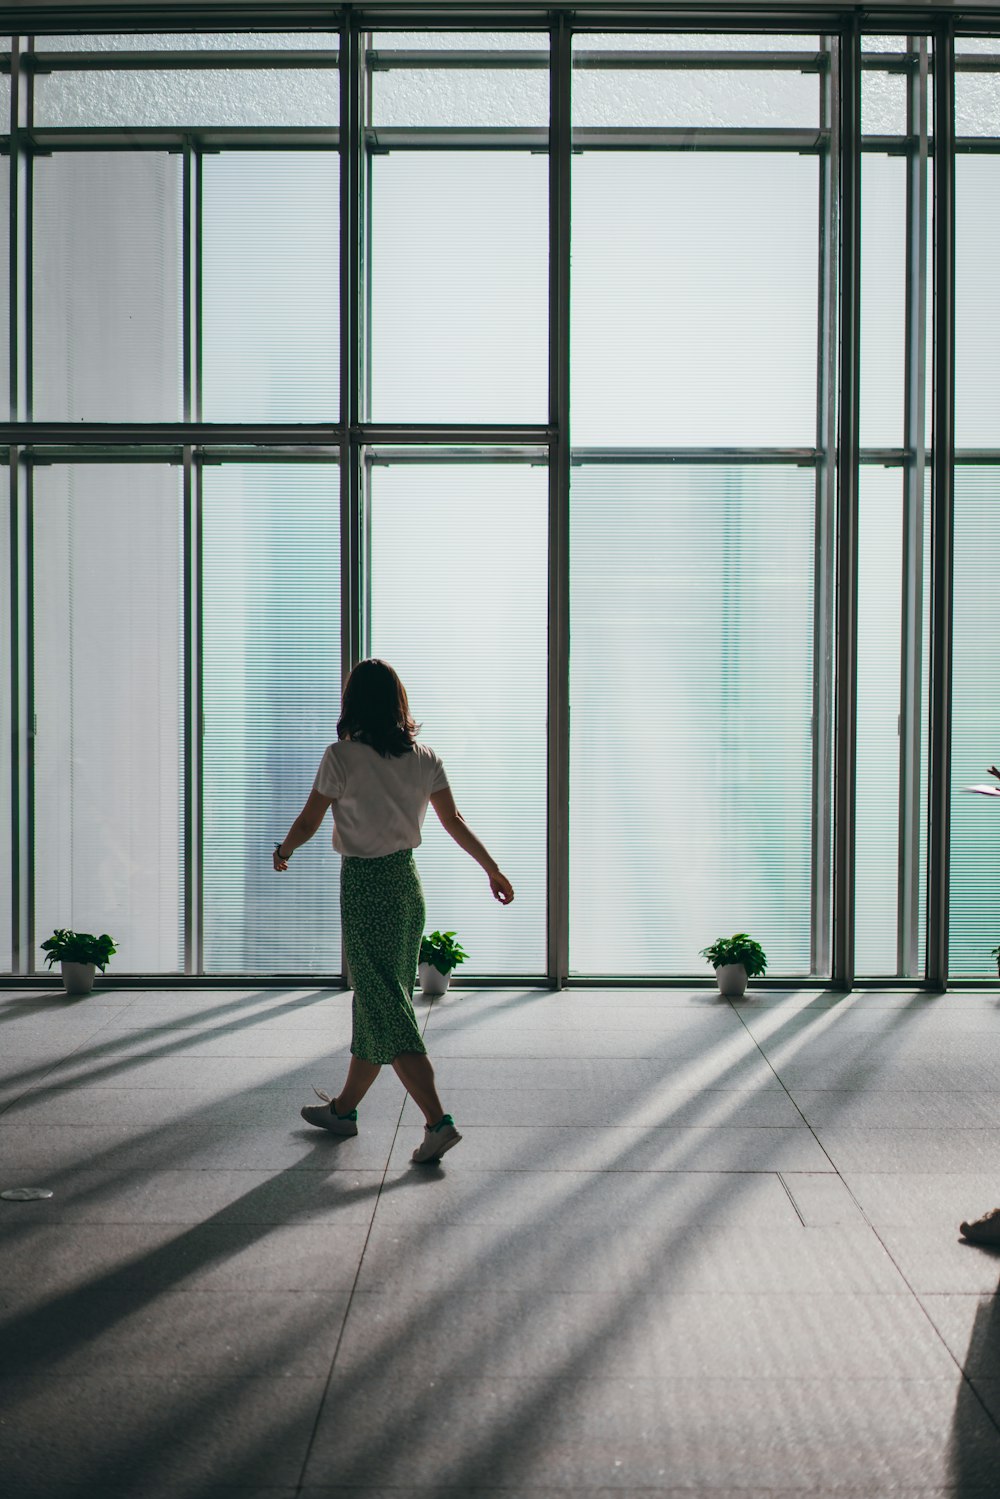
(280, 864)
(503, 890)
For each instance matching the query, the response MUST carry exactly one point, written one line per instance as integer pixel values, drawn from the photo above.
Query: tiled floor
(685, 1247)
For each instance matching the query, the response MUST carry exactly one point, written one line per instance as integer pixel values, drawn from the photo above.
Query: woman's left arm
(305, 826)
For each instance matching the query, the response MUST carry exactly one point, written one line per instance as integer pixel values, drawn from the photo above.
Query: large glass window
(177, 256)
(270, 277)
(459, 287)
(108, 731)
(271, 621)
(107, 286)
(691, 700)
(694, 299)
(459, 606)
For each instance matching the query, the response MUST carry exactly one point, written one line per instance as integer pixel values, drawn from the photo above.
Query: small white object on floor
(26, 1194)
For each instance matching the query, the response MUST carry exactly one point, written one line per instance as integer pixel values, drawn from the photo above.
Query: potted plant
(439, 954)
(735, 959)
(80, 954)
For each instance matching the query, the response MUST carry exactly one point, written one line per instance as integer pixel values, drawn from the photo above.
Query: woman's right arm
(454, 823)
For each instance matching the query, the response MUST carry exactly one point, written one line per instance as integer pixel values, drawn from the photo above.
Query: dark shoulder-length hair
(375, 709)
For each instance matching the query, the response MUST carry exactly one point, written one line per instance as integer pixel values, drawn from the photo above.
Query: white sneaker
(324, 1117)
(436, 1141)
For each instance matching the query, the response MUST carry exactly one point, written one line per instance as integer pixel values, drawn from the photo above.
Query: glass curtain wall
(184, 249)
(208, 525)
(696, 783)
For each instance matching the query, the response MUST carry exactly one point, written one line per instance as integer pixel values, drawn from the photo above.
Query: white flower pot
(432, 981)
(78, 977)
(732, 980)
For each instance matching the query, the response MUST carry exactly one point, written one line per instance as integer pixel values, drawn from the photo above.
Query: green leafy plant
(737, 949)
(995, 953)
(78, 947)
(441, 951)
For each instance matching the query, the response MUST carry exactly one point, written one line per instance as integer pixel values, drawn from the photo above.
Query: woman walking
(379, 780)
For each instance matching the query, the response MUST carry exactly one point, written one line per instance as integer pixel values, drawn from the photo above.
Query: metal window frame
(911, 739)
(355, 440)
(826, 499)
(848, 458)
(942, 509)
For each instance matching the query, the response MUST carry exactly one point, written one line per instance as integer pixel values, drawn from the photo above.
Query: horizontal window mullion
(163, 62)
(799, 457)
(803, 142)
(46, 141)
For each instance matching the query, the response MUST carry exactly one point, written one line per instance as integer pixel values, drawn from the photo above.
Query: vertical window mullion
(826, 480)
(352, 147)
(22, 612)
(193, 714)
(846, 646)
(914, 441)
(942, 506)
(560, 143)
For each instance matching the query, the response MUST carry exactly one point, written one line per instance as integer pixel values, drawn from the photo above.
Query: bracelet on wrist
(277, 850)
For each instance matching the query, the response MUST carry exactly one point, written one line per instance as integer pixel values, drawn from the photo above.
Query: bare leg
(360, 1076)
(417, 1076)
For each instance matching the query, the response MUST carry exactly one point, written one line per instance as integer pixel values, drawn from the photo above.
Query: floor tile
(700, 1433)
(652, 1105)
(168, 1066)
(822, 1200)
(624, 1333)
(44, 1149)
(644, 1076)
(621, 1148)
(156, 1435)
(173, 1196)
(244, 1110)
(894, 1109)
(601, 1203)
(936, 1201)
(939, 1259)
(180, 1257)
(911, 1151)
(235, 1039)
(121, 1322)
(970, 1327)
(665, 1259)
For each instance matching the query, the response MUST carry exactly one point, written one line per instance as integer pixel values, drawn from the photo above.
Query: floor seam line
(350, 1302)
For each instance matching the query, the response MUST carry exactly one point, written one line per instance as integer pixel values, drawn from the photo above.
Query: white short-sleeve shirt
(379, 802)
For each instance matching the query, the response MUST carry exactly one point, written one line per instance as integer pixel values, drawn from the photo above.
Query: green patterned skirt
(382, 916)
